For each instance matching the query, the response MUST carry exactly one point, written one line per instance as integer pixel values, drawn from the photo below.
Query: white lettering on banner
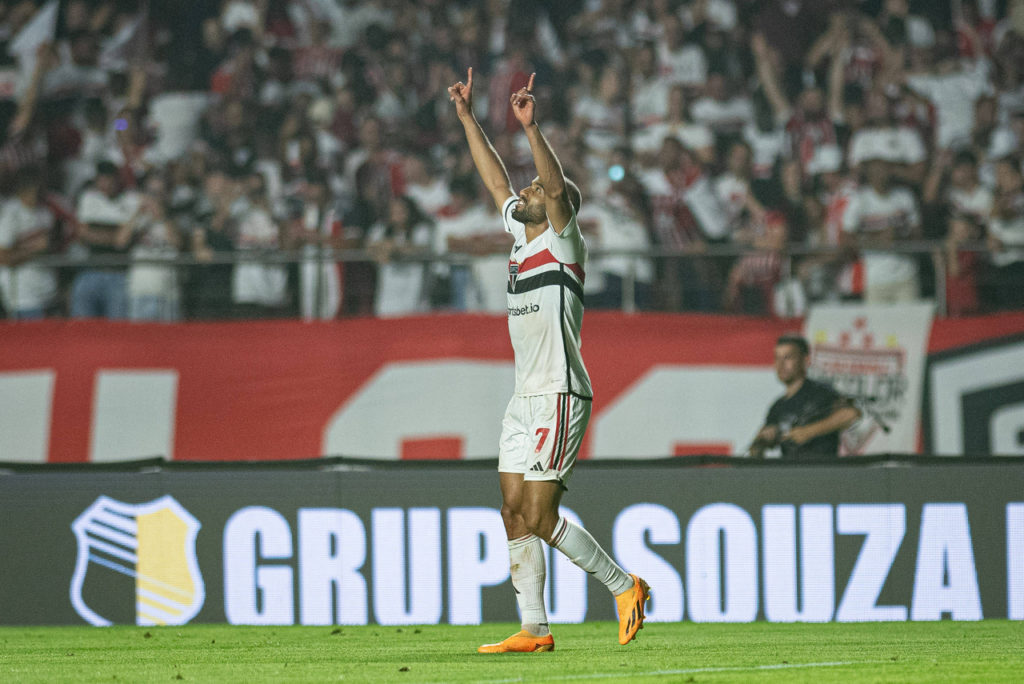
(332, 551)
(815, 598)
(721, 564)
(636, 527)
(567, 604)
(470, 410)
(133, 415)
(328, 568)
(26, 399)
(884, 526)
(1015, 561)
(945, 580)
(673, 406)
(255, 593)
(477, 557)
(407, 566)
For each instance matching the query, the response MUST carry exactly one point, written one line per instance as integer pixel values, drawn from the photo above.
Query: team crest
(513, 273)
(136, 563)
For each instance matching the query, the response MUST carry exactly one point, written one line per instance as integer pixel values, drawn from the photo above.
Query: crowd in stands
(748, 156)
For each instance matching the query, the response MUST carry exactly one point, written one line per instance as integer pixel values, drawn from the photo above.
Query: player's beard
(529, 214)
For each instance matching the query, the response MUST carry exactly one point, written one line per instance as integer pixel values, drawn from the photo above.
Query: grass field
(989, 651)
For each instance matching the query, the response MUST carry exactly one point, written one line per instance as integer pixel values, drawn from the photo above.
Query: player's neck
(535, 230)
(794, 386)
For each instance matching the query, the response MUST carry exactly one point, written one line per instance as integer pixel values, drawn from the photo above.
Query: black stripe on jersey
(561, 322)
(565, 435)
(559, 277)
(558, 430)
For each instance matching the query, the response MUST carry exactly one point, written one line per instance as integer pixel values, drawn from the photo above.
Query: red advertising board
(433, 386)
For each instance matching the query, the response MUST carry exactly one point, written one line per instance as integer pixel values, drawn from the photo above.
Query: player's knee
(539, 522)
(512, 518)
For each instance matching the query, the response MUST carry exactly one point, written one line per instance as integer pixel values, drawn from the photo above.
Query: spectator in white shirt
(649, 92)
(952, 188)
(953, 85)
(424, 185)
(884, 138)
(602, 115)
(258, 289)
(402, 286)
(879, 217)
(467, 227)
(102, 210)
(722, 110)
(26, 231)
(732, 188)
(153, 290)
(990, 140)
(680, 61)
(615, 221)
(695, 137)
(1006, 235)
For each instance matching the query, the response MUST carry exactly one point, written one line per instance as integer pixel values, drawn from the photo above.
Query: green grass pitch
(988, 651)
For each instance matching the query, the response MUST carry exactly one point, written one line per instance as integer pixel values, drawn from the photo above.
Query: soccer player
(807, 419)
(544, 423)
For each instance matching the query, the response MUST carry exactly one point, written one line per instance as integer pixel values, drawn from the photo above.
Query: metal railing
(933, 250)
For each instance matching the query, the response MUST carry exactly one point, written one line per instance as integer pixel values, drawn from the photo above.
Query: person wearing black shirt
(805, 422)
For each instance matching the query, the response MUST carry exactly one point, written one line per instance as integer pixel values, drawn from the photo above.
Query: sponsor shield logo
(137, 563)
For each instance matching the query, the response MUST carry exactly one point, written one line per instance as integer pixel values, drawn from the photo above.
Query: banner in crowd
(437, 386)
(875, 355)
(425, 544)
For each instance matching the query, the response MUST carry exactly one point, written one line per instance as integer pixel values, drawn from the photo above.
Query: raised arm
(769, 78)
(549, 169)
(488, 163)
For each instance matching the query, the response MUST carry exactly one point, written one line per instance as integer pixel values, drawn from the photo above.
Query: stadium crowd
(167, 160)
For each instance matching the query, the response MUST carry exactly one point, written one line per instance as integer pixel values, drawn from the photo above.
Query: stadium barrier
(930, 254)
(337, 541)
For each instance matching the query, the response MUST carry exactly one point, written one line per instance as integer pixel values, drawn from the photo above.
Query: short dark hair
(106, 168)
(798, 341)
(464, 186)
(965, 157)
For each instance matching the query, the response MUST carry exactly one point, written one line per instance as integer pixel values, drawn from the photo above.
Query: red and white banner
(423, 387)
(875, 355)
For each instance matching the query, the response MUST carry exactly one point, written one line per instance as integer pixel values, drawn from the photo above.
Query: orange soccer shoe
(520, 642)
(631, 609)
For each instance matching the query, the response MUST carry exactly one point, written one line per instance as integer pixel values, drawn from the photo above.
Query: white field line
(694, 670)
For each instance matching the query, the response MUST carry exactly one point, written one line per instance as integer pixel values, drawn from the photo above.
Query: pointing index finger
(469, 78)
(529, 86)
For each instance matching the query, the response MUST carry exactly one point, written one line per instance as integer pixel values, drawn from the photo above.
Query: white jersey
(545, 308)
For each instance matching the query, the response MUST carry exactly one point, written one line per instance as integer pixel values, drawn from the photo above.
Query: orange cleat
(631, 609)
(521, 642)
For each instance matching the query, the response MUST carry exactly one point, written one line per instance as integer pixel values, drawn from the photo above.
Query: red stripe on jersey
(546, 257)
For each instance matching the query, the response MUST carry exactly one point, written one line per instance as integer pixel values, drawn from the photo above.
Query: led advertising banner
(424, 544)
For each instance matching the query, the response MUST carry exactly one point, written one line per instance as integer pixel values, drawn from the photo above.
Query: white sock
(583, 550)
(526, 560)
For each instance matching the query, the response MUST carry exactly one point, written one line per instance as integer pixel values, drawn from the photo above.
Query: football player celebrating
(545, 421)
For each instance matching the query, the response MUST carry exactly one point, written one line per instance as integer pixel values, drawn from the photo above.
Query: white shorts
(541, 436)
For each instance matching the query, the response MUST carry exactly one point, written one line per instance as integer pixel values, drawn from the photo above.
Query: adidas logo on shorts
(537, 467)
